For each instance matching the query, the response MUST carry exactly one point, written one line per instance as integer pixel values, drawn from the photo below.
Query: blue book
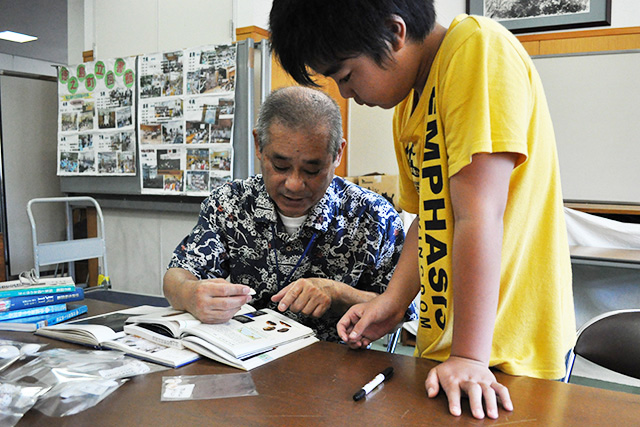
(18, 303)
(32, 323)
(36, 290)
(33, 311)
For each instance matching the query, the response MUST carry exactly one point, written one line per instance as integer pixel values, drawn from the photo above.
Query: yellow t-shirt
(484, 95)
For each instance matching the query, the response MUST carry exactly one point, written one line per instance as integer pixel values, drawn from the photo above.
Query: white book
(250, 339)
(204, 348)
(106, 331)
(42, 281)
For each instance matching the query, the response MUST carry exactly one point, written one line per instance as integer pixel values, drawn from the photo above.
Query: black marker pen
(382, 376)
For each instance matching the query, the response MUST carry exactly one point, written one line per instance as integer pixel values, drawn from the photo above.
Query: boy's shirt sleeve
(409, 199)
(485, 98)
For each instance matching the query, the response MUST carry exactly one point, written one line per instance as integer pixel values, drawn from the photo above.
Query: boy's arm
(478, 195)
(364, 323)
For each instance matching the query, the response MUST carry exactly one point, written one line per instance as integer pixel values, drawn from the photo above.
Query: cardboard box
(353, 179)
(385, 185)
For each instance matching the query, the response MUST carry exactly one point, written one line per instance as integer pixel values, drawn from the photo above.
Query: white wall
(140, 244)
(251, 12)
(158, 25)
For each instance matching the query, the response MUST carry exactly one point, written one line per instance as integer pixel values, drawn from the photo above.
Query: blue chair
(610, 340)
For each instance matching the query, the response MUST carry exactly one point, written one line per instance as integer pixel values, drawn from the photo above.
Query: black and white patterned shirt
(353, 236)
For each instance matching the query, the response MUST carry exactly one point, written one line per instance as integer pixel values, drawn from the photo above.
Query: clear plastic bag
(77, 379)
(197, 387)
(16, 400)
(12, 351)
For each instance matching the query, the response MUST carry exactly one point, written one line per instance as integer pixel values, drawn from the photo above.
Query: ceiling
(45, 19)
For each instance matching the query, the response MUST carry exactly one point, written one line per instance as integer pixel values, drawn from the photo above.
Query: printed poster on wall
(185, 112)
(96, 118)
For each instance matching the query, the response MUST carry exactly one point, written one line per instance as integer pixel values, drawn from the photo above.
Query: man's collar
(319, 215)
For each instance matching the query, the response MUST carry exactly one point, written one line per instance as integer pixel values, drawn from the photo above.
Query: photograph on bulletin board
(185, 113)
(96, 118)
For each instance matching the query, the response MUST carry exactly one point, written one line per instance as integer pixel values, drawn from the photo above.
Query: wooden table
(314, 387)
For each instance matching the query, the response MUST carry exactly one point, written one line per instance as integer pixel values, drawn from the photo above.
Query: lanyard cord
(304, 254)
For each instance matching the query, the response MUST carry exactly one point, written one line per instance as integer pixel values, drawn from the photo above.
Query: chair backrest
(69, 250)
(612, 340)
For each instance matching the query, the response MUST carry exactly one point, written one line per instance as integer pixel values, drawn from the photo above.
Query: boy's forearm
(405, 282)
(479, 194)
(476, 272)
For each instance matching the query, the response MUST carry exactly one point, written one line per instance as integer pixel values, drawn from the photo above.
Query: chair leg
(571, 358)
(393, 340)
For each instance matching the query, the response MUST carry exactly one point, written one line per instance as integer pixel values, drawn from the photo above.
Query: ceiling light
(16, 37)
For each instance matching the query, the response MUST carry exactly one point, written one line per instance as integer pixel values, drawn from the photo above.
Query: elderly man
(306, 241)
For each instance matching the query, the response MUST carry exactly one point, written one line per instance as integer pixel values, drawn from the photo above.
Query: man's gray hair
(300, 108)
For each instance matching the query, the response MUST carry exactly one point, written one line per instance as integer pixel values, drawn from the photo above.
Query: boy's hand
(364, 323)
(459, 376)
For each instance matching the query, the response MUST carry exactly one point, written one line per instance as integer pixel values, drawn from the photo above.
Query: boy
(478, 164)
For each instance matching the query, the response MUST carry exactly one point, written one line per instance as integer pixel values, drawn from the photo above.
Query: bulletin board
(186, 115)
(193, 121)
(96, 118)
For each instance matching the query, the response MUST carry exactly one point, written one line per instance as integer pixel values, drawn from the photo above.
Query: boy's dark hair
(312, 33)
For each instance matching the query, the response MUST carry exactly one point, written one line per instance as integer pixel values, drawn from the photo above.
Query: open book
(250, 339)
(106, 331)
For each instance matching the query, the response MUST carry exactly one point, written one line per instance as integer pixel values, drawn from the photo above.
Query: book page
(85, 334)
(251, 333)
(173, 321)
(206, 349)
(149, 350)
(96, 329)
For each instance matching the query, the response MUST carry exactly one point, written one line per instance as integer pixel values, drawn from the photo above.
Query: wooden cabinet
(601, 40)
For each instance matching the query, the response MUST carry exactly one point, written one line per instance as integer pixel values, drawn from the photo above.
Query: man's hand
(314, 296)
(215, 300)
(311, 296)
(367, 322)
(458, 376)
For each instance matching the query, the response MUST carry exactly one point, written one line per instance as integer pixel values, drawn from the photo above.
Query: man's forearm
(176, 287)
(344, 296)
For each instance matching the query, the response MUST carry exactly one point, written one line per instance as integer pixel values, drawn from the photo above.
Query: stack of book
(174, 338)
(28, 307)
